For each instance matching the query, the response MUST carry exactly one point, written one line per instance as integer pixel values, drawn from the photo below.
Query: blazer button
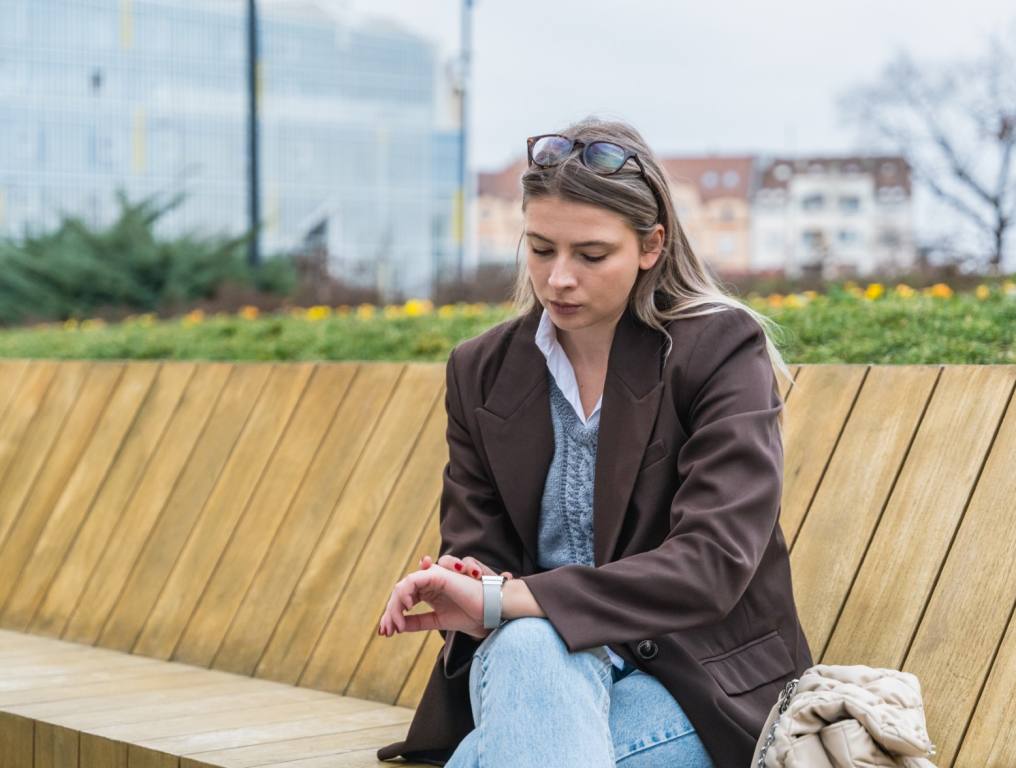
(647, 649)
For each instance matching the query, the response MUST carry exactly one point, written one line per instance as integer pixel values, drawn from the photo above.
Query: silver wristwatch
(492, 601)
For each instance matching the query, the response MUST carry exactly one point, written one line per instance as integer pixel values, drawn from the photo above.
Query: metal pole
(464, 181)
(253, 188)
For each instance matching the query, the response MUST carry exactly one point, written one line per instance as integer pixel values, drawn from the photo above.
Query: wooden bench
(193, 555)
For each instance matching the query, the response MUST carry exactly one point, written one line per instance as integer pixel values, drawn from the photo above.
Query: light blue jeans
(536, 705)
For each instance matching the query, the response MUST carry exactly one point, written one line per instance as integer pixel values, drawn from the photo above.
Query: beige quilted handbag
(846, 716)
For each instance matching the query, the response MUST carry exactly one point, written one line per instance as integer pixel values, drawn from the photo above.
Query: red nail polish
(458, 566)
(476, 572)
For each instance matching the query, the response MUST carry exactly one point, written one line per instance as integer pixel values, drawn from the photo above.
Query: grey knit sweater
(565, 531)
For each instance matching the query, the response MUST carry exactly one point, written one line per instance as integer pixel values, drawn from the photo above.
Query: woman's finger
(475, 568)
(421, 622)
(452, 563)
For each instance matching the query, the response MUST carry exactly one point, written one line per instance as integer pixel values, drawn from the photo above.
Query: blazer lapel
(518, 434)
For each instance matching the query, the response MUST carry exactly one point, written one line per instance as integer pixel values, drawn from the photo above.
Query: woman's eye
(585, 256)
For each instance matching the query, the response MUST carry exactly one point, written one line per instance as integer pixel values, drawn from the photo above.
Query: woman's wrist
(517, 601)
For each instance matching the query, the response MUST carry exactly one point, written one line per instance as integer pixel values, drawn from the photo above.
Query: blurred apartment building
(358, 139)
(750, 214)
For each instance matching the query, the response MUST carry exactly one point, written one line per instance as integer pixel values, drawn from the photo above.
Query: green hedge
(846, 325)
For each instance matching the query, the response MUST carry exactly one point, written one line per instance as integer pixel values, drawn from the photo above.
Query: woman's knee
(532, 646)
(527, 637)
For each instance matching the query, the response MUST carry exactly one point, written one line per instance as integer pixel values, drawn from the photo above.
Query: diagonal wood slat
(193, 554)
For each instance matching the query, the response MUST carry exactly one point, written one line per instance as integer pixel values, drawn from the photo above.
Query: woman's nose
(560, 275)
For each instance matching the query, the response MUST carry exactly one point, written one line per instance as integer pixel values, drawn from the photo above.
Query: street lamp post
(253, 184)
(465, 187)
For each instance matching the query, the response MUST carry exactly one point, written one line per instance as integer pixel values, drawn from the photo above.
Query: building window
(710, 179)
(850, 203)
(811, 238)
(731, 179)
(813, 202)
(891, 195)
(782, 172)
(889, 238)
(848, 236)
(725, 244)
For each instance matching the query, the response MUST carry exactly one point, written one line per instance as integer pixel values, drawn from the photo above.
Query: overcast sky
(739, 76)
(733, 77)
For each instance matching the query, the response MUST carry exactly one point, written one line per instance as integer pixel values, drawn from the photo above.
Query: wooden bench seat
(67, 704)
(193, 555)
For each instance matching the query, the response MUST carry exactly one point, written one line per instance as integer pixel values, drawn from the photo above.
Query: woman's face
(584, 255)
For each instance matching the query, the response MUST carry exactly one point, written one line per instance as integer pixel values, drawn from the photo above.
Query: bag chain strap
(784, 702)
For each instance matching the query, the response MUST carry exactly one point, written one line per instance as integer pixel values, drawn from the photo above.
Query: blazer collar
(518, 435)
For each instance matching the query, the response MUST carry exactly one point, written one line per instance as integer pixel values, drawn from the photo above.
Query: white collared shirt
(560, 366)
(564, 375)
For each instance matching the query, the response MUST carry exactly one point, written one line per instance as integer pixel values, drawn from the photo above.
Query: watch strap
(492, 601)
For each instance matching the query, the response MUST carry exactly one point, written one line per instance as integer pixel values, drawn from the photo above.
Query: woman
(615, 453)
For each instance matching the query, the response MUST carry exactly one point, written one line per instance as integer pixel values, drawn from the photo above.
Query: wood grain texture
(219, 539)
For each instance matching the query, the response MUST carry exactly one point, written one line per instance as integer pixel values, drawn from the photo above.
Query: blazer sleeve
(473, 520)
(721, 517)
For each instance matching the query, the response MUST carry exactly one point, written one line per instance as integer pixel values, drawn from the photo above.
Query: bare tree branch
(955, 123)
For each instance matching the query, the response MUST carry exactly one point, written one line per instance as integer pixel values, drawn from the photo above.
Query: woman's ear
(652, 247)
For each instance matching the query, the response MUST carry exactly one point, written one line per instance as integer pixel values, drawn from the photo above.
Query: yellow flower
(940, 290)
(982, 292)
(392, 310)
(793, 301)
(248, 312)
(811, 294)
(446, 310)
(70, 324)
(92, 322)
(904, 291)
(873, 291)
(417, 307)
(318, 312)
(193, 317)
(365, 311)
(775, 300)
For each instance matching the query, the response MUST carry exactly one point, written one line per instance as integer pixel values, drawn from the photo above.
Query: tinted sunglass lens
(604, 156)
(550, 150)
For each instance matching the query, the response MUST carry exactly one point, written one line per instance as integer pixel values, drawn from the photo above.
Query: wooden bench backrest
(252, 517)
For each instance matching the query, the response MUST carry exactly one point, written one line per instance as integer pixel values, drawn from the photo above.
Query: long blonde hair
(678, 283)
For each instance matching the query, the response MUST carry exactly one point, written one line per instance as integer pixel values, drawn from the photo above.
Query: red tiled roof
(887, 170)
(713, 175)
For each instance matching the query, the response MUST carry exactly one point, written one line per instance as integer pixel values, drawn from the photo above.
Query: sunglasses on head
(603, 157)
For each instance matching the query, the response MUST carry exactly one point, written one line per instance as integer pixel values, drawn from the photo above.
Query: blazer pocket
(751, 664)
(656, 451)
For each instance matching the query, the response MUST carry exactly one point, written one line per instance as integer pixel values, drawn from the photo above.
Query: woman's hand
(456, 600)
(468, 566)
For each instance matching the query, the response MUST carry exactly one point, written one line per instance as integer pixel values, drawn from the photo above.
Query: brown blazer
(691, 580)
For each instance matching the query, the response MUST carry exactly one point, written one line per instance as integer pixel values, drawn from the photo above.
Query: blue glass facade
(150, 96)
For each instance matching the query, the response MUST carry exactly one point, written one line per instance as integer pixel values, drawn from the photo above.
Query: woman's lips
(566, 309)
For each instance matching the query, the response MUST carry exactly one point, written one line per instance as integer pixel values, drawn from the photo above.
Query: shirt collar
(560, 366)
